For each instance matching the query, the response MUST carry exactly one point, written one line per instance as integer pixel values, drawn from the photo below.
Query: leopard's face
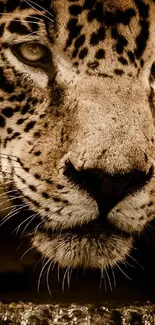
(77, 123)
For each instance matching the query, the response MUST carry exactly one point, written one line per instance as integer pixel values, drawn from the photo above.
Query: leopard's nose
(107, 189)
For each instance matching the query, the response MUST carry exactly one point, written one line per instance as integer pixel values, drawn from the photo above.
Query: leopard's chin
(89, 246)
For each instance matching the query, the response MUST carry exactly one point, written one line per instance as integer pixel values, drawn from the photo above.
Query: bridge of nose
(114, 147)
(112, 126)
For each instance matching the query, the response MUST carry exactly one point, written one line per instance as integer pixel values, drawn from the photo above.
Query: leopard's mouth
(90, 245)
(93, 229)
(93, 244)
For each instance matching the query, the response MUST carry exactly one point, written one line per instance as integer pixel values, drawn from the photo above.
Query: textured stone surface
(44, 314)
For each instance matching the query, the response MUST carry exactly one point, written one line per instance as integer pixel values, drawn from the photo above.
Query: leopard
(77, 124)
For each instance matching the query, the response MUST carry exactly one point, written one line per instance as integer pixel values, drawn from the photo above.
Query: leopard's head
(77, 81)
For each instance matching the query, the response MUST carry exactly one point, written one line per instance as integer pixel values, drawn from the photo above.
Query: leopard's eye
(32, 53)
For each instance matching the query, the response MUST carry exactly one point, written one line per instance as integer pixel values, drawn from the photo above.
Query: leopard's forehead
(103, 34)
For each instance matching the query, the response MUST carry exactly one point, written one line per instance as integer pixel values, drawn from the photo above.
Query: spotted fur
(77, 129)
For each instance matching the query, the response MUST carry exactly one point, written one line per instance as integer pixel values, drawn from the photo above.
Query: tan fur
(103, 121)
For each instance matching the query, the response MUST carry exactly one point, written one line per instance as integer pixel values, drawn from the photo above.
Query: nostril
(132, 181)
(117, 187)
(107, 189)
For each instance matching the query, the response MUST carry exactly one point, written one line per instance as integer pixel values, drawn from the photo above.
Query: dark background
(19, 278)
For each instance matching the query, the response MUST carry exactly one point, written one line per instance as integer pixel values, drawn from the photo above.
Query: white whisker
(11, 199)
(63, 281)
(11, 215)
(12, 42)
(28, 250)
(47, 279)
(41, 273)
(42, 8)
(32, 218)
(32, 6)
(16, 230)
(40, 259)
(25, 21)
(69, 274)
(105, 282)
(123, 272)
(8, 192)
(136, 262)
(109, 281)
(113, 275)
(58, 274)
(100, 285)
(36, 228)
(8, 207)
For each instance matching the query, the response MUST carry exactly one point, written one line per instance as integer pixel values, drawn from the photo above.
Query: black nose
(107, 189)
